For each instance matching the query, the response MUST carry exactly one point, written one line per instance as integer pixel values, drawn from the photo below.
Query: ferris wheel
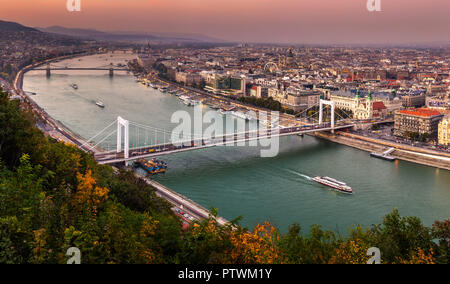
(271, 67)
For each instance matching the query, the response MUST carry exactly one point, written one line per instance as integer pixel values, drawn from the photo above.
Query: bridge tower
(111, 70)
(48, 71)
(332, 104)
(125, 124)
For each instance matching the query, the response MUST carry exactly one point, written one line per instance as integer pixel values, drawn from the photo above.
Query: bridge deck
(82, 69)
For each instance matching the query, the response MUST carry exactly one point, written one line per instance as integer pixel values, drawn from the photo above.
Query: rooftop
(424, 112)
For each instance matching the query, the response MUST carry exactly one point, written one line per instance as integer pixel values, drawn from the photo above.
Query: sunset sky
(284, 21)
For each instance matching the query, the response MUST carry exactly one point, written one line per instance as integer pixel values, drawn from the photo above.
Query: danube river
(235, 179)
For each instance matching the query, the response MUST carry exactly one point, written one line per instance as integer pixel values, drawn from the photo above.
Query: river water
(236, 180)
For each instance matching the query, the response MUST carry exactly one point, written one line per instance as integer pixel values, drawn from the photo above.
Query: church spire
(369, 96)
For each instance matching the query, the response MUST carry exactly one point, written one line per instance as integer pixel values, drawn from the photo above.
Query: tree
(257, 247)
(400, 238)
(88, 196)
(425, 137)
(441, 233)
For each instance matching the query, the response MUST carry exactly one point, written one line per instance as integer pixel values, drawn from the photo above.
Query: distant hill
(73, 32)
(130, 36)
(15, 27)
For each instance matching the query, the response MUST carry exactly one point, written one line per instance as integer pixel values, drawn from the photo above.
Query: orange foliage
(88, 194)
(420, 257)
(351, 252)
(257, 247)
(149, 227)
(148, 230)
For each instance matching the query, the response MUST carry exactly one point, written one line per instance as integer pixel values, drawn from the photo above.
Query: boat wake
(300, 174)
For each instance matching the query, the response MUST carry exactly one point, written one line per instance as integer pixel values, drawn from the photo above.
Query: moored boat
(240, 115)
(153, 166)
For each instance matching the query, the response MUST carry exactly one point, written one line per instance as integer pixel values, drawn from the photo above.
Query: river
(236, 180)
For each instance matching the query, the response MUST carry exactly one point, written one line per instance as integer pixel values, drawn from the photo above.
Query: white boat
(249, 117)
(223, 112)
(163, 89)
(240, 115)
(334, 184)
(100, 104)
(190, 102)
(194, 102)
(75, 86)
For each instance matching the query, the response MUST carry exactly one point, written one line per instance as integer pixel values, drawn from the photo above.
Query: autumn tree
(88, 196)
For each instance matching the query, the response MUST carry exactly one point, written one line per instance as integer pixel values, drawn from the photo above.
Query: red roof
(378, 106)
(421, 112)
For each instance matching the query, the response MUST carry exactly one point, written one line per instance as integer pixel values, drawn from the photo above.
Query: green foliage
(441, 234)
(268, 103)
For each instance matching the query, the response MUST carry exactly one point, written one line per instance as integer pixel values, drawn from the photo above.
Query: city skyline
(286, 21)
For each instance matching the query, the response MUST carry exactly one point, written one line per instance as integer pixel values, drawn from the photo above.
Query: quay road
(113, 157)
(183, 204)
(417, 150)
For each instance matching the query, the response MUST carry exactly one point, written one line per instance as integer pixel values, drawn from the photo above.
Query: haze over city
(280, 21)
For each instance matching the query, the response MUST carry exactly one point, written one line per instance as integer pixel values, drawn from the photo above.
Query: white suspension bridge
(124, 141)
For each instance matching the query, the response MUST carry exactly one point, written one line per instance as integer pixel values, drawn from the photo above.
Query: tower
(369, 105)
(357, 101)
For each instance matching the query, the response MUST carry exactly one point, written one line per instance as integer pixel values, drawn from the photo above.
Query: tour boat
(334, 184)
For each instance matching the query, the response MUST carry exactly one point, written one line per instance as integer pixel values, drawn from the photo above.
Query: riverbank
(402, 152)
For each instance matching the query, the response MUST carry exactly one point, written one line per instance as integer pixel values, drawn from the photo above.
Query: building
(188, 78)
(365, 105)
(225, 85)
(414, 100)
(423, 122)
(146, 61)
(444, 131)
(259, 92)
(299, 100)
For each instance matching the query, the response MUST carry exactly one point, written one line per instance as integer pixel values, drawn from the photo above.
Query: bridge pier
(48, 71)
(111, 71)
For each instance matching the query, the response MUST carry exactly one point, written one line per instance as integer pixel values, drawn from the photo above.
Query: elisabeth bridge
(124, 141)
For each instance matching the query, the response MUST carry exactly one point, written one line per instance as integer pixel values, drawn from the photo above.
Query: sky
(278, 21)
